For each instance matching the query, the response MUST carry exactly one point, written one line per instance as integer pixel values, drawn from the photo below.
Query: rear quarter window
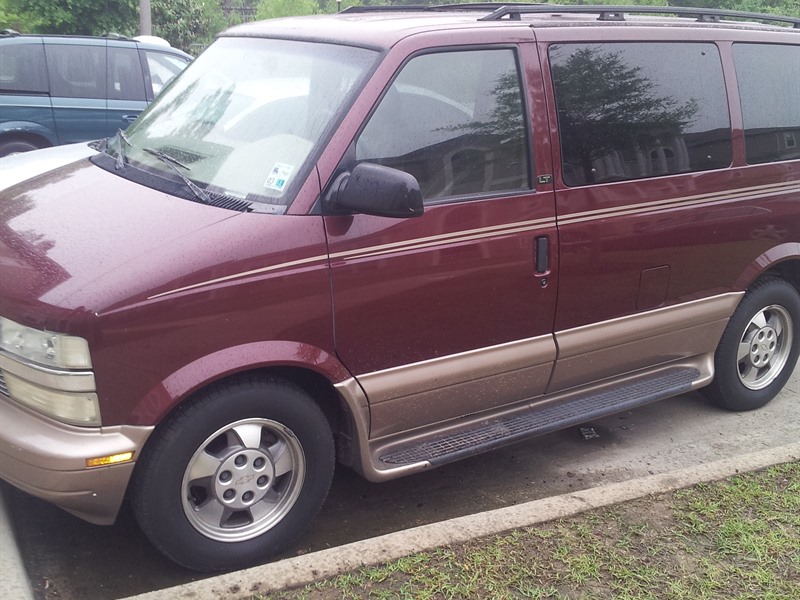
(22, 68)
(635, 110)
(768, 76)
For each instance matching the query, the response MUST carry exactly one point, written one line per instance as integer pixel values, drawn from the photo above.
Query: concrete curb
(14, 581)
(301, 570)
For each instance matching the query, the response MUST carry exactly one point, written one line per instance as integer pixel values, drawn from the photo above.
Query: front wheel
(759, 348)
(235, 476)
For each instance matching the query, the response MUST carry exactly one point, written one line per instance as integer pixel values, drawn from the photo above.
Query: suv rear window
(770, 105)
(634, 110)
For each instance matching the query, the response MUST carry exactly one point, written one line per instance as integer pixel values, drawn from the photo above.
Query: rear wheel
(759, 349)
(236, 476)
(9, 147)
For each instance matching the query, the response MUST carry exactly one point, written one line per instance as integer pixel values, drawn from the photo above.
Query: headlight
(43, 347)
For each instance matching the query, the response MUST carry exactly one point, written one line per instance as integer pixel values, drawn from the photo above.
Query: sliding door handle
(542, 255)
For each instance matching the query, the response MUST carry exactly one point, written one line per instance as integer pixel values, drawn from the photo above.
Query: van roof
(384, 26)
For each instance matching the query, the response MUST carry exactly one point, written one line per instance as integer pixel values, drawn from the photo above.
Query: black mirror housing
(377, 190)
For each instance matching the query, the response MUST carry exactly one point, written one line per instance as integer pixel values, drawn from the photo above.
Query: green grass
(737, 539)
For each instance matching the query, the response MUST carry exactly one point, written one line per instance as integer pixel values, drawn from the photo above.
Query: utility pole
(145, 23)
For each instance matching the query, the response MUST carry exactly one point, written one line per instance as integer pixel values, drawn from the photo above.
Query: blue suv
(63, 89)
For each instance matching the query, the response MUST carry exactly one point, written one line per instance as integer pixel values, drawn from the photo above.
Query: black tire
(16, 146)
(759, 348)
(253, 435)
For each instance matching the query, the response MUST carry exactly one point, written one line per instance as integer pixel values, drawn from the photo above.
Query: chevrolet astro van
(393, 239)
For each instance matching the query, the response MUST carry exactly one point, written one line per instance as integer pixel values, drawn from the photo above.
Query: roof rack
(617, 13)
(468, 6)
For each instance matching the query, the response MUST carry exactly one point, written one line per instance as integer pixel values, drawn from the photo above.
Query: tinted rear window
(22, 68)
(769, 88)
(634, 110)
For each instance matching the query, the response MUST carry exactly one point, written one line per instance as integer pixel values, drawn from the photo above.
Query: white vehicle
(25, 165)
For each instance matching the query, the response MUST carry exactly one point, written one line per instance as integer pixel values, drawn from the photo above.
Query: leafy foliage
(73, 17)
(181, 22)
(271, 9)
(187, 23)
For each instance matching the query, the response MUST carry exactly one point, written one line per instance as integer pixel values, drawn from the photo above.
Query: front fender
(258, 355)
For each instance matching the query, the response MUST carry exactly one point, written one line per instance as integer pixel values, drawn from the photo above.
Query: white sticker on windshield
(278, 177)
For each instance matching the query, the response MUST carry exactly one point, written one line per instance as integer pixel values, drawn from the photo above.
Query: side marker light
(114, 459)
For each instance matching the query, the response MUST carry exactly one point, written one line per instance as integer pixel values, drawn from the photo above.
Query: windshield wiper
(121, 137)
(174, 163)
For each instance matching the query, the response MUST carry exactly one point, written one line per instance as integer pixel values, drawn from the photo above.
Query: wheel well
(25, 136)
(320, 390)
(788, 270)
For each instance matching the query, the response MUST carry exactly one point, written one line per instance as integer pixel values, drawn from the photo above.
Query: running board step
(539, 420)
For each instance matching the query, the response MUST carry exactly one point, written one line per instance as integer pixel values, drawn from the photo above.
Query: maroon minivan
(393, 239)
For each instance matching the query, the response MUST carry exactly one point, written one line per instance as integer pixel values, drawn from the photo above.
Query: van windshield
(246, 118)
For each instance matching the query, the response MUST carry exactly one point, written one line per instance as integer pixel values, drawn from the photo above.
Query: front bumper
(48, 460)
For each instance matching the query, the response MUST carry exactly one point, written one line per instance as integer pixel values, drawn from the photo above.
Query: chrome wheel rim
(243, 480)
(764, 347)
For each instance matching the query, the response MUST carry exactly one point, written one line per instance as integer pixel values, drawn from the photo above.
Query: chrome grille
(3, 386)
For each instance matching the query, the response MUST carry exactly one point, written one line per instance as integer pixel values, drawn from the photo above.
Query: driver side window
(455, 121)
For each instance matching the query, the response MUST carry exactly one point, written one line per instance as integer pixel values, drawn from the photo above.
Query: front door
(449, 313)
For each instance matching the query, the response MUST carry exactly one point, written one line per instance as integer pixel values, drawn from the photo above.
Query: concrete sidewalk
(300, 570)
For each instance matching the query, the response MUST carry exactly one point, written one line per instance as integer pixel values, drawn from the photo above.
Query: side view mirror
(376, 190)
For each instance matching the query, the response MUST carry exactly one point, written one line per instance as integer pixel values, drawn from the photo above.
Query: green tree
(184, 23)
(187, 24)
(74, 17)
(271, 9)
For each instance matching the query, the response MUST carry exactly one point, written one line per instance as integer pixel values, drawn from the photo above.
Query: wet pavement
(69, 559)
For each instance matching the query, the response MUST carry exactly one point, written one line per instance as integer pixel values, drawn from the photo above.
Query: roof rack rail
(9, 32)
(471, 6)
(617, 13)
(385, 8)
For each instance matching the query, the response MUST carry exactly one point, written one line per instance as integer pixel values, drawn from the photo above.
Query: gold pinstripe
(414, 244)
(750, 193)
(455, 237)
(469, 235)
(286, 265)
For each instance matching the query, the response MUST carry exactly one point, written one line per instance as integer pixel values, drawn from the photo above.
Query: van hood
(64, 229)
